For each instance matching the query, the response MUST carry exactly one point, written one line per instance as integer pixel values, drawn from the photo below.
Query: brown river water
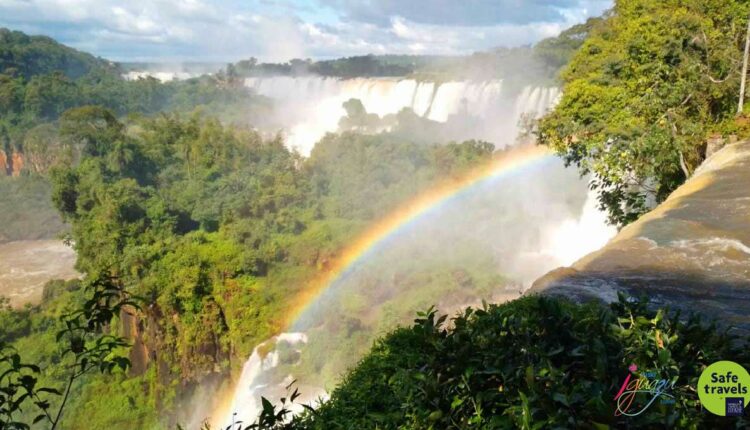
(25, 266)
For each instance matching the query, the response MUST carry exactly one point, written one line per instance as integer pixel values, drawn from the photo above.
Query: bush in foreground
(532, 363)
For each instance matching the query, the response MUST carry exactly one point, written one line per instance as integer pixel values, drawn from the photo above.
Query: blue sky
(277, 30)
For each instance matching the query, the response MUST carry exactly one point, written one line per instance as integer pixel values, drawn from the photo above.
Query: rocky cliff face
(692, 252)
(11, 163)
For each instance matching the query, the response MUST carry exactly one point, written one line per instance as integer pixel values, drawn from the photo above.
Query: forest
(208, 222)
(195, 232)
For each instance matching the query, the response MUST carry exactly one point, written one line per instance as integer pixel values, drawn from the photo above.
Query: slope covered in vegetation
(530, 364)
(28, 56)
(640, 98)
(40, 79)
(218, 229)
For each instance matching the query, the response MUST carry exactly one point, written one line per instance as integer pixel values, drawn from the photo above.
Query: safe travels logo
(723, 389)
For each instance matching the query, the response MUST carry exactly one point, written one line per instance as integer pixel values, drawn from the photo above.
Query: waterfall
(520, 227)
(163, 76)
(246, 403)
(311, 106)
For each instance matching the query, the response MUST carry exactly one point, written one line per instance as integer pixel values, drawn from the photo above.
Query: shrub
(532, 363)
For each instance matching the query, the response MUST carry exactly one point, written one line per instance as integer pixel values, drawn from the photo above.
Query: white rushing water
(264, 358)
(161, 75)
(309, 107)
(525, 225)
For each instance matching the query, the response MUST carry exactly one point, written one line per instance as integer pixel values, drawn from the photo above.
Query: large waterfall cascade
(312, 106)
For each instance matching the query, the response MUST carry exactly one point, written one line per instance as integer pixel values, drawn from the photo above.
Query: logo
(639, 393)
(723, 389)
(735, 406)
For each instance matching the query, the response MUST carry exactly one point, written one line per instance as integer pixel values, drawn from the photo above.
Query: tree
(641, 95)
(11, 93)
(557, 51)
(93, 129)
(744, 70)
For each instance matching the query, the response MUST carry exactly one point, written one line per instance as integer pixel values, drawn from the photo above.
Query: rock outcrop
(3, 163)
(692, 252)
(11, 163)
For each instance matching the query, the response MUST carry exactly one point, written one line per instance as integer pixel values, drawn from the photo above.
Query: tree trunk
(744, 70)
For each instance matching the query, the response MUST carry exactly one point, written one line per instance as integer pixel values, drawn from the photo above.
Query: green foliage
(40, 79)
(521, 65)
(28, 56)
(350, 171)
(85, 346)
(18, 385)
(367, 65)
(86, 335)
(15, 322)
(114, 402)
(531, 363)
(640, 96)
(556, 52)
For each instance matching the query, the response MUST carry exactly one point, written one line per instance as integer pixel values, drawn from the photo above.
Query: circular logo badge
(724, 388)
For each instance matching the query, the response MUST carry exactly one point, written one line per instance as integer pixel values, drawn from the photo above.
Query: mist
(308, 107)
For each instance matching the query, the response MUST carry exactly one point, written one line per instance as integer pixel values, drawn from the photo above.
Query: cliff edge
(692, 252)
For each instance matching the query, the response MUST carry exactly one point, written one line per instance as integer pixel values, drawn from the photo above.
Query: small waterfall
(575, 238)
(163, 76)
(424, 97)
(246, 404)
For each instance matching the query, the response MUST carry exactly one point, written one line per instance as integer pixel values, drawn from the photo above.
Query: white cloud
(464, 13)
(173, 30)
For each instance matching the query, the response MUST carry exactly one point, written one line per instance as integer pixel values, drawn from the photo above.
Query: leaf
(49, 390)
(457, 401)
(295, 395)
(268, 407)
(561, 398)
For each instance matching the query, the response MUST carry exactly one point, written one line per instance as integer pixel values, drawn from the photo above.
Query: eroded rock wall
(11, 163)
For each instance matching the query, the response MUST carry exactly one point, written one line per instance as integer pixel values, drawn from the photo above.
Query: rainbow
(504, 164)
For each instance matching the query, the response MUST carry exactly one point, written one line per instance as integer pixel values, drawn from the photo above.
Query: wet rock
(691, 253)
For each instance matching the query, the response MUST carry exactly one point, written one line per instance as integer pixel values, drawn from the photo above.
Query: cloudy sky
(274, 30)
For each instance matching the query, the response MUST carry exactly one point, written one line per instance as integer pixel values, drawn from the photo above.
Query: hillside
(27, 56)
(40, 79)
(534, 362)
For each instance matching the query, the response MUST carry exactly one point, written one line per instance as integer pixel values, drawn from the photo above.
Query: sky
(278, 30)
